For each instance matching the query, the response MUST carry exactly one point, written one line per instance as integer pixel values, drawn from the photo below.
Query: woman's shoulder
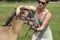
(48, 12)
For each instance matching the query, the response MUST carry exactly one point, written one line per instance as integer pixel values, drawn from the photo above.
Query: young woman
(44, 16)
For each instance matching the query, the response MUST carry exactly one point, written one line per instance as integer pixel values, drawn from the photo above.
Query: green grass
(6, 9)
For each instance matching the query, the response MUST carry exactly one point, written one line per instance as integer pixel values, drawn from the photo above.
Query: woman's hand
(40, 29)
(27, 7)
(34, 28)
(37, 29)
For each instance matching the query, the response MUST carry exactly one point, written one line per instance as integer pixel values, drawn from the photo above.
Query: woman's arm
(33, 8)
(45, 23)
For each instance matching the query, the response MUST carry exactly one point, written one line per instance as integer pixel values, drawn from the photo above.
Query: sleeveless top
(46, 34)
(39, 20)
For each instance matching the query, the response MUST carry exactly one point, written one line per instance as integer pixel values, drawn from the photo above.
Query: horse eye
(23, 13)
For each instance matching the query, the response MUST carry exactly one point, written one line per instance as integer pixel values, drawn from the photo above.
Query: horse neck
(16, 25)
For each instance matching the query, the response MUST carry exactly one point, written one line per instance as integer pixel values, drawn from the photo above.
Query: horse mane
(9, 19)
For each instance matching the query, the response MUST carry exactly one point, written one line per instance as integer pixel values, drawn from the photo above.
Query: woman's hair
(47, 1)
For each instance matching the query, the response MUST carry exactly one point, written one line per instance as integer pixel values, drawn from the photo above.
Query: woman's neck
(40, 10)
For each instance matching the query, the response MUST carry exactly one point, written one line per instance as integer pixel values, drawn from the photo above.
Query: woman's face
(41, 4)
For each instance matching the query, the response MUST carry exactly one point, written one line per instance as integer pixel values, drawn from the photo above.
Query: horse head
(14, 24)
(23, 14)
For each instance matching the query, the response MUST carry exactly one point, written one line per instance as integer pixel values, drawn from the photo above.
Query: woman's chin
(40, 7)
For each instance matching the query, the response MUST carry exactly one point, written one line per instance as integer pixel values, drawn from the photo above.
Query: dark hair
(47, 1)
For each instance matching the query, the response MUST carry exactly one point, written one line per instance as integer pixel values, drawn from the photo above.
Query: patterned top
(39, 20)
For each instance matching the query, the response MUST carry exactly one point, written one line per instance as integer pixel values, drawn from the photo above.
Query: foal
(14, 25)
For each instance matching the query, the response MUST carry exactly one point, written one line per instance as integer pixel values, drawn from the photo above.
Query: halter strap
(36, 17)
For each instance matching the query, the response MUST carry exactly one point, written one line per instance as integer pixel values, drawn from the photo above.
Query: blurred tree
(19, 0)
(1, 0)
(24, 0)
(54, 0)
(10, 0)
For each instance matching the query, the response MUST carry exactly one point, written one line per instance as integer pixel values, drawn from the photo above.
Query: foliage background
(7, 8)
(24, 0)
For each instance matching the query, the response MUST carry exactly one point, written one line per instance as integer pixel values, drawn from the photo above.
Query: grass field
(6, 9)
